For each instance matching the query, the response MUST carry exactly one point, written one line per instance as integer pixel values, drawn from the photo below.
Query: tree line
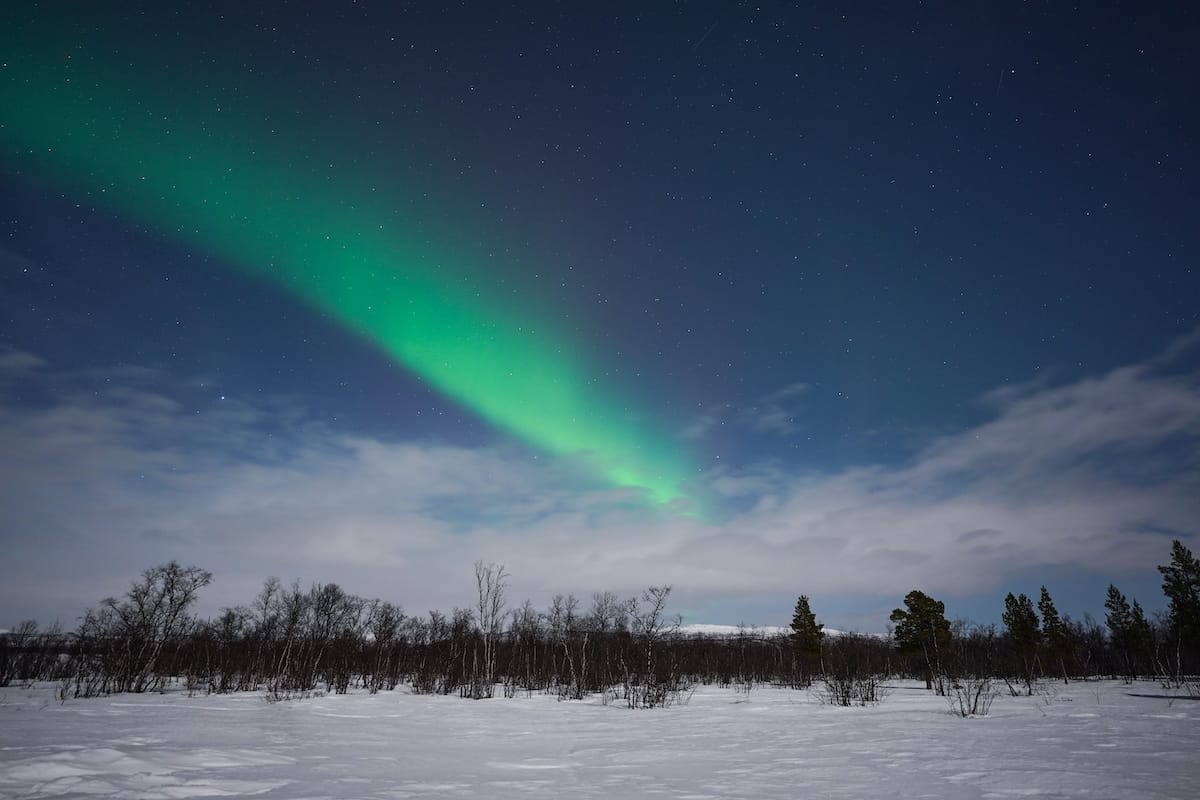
(956, 658)
(291, 641)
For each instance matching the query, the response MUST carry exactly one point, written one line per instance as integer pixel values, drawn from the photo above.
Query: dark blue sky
(813, 243)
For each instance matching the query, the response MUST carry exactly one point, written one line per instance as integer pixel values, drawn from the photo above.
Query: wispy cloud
(14, 363)
(786, 393)
(701, 424)
(775, 413)
(94, 487)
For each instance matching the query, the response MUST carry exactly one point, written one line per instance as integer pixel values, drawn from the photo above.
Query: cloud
(703, 423)
(18, 364)
(1095, 475)
(777, 411)
(775, 414)
(771, 419)
(789, 392)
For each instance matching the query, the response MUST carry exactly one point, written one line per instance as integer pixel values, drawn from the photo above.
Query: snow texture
(1094, 740)
(759, 631)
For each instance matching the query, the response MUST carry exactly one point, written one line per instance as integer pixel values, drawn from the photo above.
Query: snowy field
(1094, 740)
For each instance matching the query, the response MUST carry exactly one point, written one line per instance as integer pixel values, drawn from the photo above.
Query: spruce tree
(807, 637)
(1129, 631)
(1118, 616)
(1143, 634)
(1054, 632)
(1022, 624)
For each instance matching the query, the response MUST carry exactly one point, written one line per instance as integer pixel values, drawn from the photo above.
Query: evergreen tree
(1129, 631)
(1143, 634)
(807, 637)
(1054, 632)
(1021, 622)
(1119, 617)
(807, 634)
(923, 631)
(1181, 585)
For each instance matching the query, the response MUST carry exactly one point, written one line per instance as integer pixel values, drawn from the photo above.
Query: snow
(1102, 739)
(710, 629)
(761, 631)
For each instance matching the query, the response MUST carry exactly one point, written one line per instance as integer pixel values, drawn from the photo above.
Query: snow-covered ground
(1094, 740)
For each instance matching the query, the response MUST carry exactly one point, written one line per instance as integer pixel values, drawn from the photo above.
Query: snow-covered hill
(749, 630)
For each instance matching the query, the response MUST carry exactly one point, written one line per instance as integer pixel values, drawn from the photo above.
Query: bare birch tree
(491, 581)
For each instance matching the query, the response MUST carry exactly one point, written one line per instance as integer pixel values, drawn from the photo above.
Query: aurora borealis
(751, 301)
(222, 190)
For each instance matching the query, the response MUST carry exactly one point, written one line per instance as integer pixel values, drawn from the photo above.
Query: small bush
(971, 697)
(852, 691)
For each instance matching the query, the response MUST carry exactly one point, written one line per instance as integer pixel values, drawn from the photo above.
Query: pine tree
(807, 636)
(1143, 634)
(1119, 617)
(1022, 624)
(1129, 631)
(1054, 632)
(923, 630)
(1181, 585)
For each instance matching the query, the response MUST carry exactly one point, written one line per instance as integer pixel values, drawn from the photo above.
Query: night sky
(751, 300)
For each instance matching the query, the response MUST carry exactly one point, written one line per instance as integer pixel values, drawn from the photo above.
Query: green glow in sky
(209, 177)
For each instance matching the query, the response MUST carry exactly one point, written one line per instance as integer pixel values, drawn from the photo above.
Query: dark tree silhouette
(922, 631)
(1129, 632)
(1024, 636)
(1181, 585)
(807, 637)
(1054, 633)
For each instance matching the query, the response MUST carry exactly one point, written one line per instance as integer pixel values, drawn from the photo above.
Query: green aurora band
(225, 188)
